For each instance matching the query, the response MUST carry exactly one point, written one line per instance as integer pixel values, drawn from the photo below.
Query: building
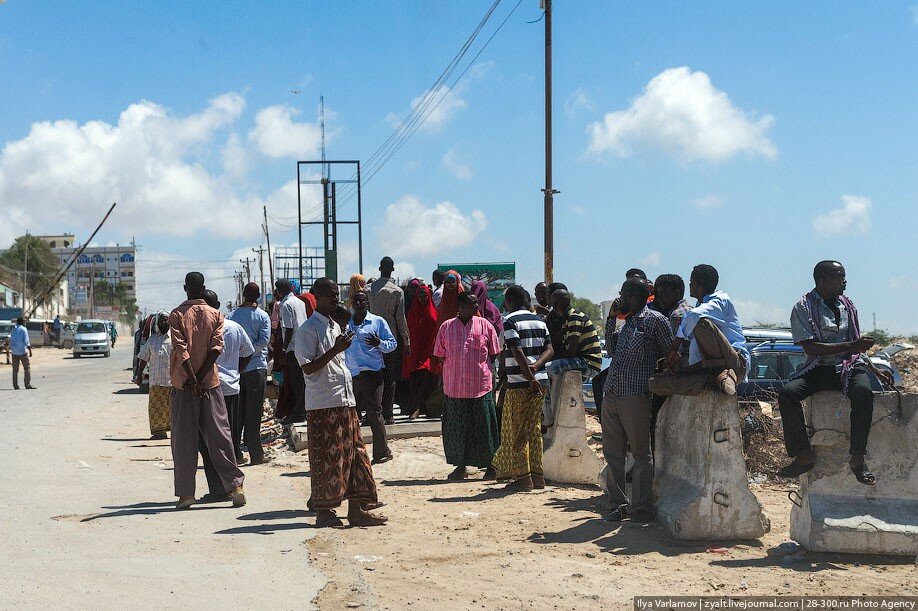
(9, 297)
(112, 264)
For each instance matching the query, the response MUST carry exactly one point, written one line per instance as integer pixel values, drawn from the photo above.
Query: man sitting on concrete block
(824, 322)
(717, 346)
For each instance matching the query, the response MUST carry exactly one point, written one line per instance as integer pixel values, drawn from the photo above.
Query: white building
(112, 264)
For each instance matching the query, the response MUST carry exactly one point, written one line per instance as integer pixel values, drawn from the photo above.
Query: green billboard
(497, 276)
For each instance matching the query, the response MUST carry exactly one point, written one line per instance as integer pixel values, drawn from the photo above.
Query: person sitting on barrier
(824, 322)
(717, 346)
(577, 346)
(626, 413)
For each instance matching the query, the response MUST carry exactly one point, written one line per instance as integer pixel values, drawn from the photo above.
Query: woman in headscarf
(358, 283)
(155, 352)
(411, 289)
(449, 304)
(309, 300)
(417, 365)
(486, 307)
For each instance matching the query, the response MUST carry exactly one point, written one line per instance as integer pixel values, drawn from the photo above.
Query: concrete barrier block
(700, 478)
(836, 513)
(297, 436)
(566, 456)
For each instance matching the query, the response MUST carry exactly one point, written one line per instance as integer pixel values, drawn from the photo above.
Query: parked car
(6, 328)
(773, 363)
(91, 337)
(589, 402)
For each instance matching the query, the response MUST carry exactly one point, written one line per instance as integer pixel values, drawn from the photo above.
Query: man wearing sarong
(466, 344)
(197, 406)
(527, 346)
(824, 322)
(155, 353)
(338, 462)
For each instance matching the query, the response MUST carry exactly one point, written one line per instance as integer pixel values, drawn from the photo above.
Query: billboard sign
(497, 276)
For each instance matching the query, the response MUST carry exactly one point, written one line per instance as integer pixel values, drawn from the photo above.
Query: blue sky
(759, 138)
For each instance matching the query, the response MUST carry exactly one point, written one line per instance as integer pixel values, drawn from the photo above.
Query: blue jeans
(555, 370)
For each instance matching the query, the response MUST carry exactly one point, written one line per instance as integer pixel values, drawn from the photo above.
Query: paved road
(86, 517)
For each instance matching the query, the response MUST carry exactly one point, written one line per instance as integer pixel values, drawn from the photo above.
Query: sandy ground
(468, 545)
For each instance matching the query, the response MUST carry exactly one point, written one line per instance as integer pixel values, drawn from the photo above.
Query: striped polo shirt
(526, 330)
(577, 324)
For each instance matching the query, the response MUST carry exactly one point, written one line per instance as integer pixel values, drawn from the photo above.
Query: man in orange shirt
(197, 402)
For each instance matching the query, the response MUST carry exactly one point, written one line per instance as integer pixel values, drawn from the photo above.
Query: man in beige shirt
(387, 300)
(197, 403)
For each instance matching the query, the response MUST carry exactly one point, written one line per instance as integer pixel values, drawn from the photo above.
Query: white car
(91, 337)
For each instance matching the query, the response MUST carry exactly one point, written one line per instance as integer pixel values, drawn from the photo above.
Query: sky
(760, 138)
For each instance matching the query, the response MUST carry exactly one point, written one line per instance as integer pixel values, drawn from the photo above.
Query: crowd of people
(489, 372)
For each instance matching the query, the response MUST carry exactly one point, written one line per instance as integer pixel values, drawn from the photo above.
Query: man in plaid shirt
(626, 408)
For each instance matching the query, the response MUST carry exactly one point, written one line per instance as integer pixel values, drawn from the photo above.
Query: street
(87, 518)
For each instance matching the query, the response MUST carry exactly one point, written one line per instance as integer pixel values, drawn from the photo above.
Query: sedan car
(773, 364)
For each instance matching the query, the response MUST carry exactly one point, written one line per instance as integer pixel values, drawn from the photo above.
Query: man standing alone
(388, 300)
(19, 345)
(257, 325)
(338, 461)
(197, 406)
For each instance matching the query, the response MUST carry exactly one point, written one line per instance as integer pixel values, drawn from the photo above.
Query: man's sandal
(863, 474)
(794, 470)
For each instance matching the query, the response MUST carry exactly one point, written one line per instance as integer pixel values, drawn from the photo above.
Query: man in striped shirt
(527, 347)
(581, 350)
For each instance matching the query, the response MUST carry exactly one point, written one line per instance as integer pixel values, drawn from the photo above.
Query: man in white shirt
(437, 278)
(293, 314)
(338, 459)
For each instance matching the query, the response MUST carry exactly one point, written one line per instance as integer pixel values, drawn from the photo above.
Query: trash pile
(763, 440)
(907, 364)
(274, 437)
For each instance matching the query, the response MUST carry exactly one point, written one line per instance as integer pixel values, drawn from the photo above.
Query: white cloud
(234, 157)
(752, 313)
(853, 217)
(651, 260)
(413, 229)
(455, 167)
(577, 101)
(404, 271)
(683, 115)
(151, 162)
(277, 135)
(709, 201)
(442, 103)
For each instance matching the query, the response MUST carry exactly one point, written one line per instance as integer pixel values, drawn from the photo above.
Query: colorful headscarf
(486, 307)
(449, 303)
(310, 300)
(422, 330)
(358, 283)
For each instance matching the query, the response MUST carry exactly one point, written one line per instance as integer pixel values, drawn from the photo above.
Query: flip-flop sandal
(863, 474)
(794, 470)
(368, 520)
(329, 522)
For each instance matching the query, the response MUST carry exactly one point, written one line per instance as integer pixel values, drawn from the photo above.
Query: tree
(108, 294)
(34, 253)
(592, 310)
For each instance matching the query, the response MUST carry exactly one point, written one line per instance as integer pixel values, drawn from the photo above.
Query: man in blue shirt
(717, 346)
(19, 344)
(257, 325)
(364, 359)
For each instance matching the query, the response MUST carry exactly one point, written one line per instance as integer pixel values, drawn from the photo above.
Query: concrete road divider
(833, 512)
(566, 457)
(700, 478)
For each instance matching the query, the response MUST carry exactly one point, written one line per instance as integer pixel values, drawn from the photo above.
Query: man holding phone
(338, 461)
(371, 339)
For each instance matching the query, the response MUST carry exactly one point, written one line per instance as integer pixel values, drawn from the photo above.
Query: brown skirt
(338, 462)
(159, 409)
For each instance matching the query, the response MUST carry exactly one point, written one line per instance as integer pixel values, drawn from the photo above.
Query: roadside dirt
(468, 545)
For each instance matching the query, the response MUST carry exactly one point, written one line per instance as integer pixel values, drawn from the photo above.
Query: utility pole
(248, 270)
(261, 271)
(25, 273)
(268, 239)
(874, 321)
(548, 190)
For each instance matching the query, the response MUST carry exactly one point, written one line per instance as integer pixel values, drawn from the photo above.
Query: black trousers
(598, 382)
(368, 392)
(422, 384)
(293, 373)
(392, 373)
(235, 420)
(790, 399)
(247, 420)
